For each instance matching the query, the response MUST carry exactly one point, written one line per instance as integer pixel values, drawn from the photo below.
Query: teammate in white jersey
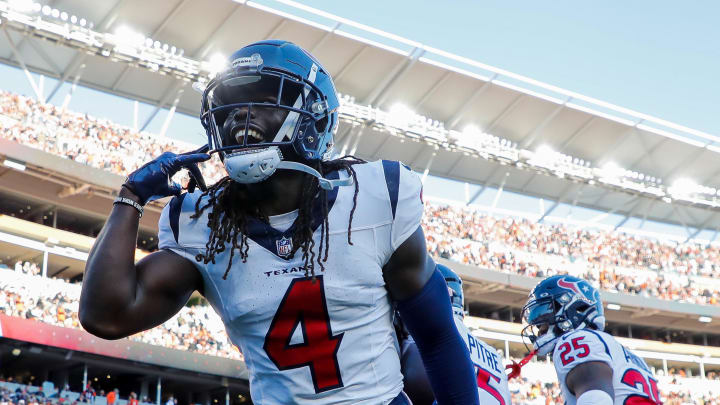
(491, 379)
(301, 256)
(565, 317)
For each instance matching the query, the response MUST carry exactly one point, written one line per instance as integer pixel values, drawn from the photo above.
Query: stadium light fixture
(612, 170)
(613, 307)
(401, 115)
(216, 64)
(705, 319)
(683, 187)
(127, 35)
(14, 164)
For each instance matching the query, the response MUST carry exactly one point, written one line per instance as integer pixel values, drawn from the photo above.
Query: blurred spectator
(613, 261)
(197, 328)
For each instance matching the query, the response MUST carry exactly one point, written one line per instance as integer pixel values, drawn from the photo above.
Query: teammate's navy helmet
(270, 78)
(454, 283)
(558, 305)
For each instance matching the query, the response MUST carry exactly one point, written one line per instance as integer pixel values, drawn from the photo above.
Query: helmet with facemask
(273, 107)
(557, 305)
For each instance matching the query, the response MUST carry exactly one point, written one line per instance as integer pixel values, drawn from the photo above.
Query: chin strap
(516, 367)
(326, 184)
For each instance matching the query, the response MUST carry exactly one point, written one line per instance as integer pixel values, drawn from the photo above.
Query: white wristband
(595, 397)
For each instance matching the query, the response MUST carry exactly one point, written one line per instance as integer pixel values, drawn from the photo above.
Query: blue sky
(657, 57)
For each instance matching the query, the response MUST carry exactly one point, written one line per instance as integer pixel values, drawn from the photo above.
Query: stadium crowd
(614, 261)
(96, 142)
(195, 328)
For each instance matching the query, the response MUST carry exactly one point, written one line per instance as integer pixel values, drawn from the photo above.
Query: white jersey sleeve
(405, 194)
(579, 347)
(180, 233)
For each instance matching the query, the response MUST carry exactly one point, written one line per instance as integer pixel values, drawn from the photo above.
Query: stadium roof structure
(538, 125)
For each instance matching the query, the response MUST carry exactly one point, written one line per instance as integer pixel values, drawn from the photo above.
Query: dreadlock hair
(228, 219)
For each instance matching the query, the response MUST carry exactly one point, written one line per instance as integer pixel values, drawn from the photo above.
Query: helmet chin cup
(545, 343)
(252, 166)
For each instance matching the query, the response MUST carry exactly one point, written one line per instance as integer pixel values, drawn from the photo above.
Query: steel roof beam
(376, 154)
(171, 91)
(80, 56)
(381, 91)
(163, 23)
(483, 186)
(273, 32)
(618, 142)
(688, 160)
(703, 226)
(563, 196)
(528, 139)
(21, 61)
(428, 166)
(575, 134)
(452, 122)
(325, 38)
(432, 90)
(349, 63)
(504, 113)
(209, 42)
(629, 214)
(45, 57)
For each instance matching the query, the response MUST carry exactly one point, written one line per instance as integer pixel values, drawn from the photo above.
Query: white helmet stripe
(288, 126)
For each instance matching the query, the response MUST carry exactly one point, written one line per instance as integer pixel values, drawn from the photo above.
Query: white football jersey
(305, 342)
(633, 380)
(489, 368)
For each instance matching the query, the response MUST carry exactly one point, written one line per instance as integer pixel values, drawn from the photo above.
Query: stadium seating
(615, 261)
(54, 301)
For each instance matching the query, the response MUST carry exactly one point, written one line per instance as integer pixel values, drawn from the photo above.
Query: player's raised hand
(153, 180)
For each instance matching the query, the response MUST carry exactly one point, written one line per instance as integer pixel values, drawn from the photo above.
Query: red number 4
(304, 306)
(576, 345)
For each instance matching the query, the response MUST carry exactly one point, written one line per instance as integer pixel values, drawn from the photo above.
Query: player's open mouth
(254, 135)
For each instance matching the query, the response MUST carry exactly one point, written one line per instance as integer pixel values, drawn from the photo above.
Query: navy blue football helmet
(277, 79)
(454, 283)
(557, 305)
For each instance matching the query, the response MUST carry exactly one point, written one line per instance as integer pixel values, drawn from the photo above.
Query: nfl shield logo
(284, 246)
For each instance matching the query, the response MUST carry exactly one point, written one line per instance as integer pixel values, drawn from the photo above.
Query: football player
(565, 317)
(301, 256)
(492, 382)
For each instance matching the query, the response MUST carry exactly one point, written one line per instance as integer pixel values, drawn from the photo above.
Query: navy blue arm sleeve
(429, 319)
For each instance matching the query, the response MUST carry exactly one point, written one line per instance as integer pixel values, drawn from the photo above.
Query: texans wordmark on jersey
(305, 342)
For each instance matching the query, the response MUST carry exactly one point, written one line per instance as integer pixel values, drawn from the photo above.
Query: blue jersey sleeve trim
(392, 180)
(175, 209)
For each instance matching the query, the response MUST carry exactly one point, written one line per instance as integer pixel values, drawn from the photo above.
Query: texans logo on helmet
(574, 286)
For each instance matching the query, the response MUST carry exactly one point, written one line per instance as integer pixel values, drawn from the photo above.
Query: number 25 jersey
(633, 380)
(322, 341)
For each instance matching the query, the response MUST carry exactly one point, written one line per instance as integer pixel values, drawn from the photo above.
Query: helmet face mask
(261, 110)
(557, 305)
(273, 103)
